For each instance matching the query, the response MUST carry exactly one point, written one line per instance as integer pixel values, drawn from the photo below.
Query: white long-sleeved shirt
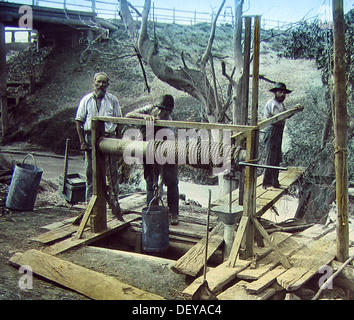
(87, 110)
(273, 107)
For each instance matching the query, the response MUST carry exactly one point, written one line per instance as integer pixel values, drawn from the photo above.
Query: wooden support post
(252, 151)
(341, 131)
(246, 70)
(245, 231)
(86, 216)
(255, 76)
(237, 242)
(245, 94)
(3, 85)
(250, 192)
(99, 217)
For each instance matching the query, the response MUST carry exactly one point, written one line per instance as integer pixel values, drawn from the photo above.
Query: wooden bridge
(53, 26)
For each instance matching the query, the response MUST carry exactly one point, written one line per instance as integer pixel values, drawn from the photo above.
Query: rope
(199, 153)
(344, 151)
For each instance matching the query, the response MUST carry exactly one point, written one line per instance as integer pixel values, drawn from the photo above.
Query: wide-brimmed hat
(279, 86)
(167, 102)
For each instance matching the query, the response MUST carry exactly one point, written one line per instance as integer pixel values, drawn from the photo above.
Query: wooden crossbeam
(282, 258)
(179, 124)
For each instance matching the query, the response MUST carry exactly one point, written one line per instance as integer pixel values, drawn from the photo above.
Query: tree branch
(207, 52)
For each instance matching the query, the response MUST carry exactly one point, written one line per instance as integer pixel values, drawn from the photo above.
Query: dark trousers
(273, 156)
(111, 163)
(169, 174)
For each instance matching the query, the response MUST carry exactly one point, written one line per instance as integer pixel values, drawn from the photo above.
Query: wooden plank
(280, 116)
(277, 237)
(288, 247)
(59, 224)
(192, 262)
(86, 216)
(315, 232)
(217, 277)
(237, 242)
(308, 261)
(269, 262)
(179, 124)
(282, 258)
(267, 198)
(286, 179)
(90, 283)
(112, 226)
(263, 282)
(56, 234)
(239, 292)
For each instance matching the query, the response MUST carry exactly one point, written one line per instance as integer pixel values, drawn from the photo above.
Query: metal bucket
(24, 186)
(155, 234)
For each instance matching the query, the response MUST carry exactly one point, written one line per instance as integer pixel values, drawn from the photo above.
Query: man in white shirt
(98, 103)
(274, 135)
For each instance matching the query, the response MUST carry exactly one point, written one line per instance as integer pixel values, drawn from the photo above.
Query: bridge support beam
(3, 85)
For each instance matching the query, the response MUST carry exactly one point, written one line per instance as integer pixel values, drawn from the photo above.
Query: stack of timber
(254, 279)
(260, 277)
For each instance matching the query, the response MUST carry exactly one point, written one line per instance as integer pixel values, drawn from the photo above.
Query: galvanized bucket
(24, 185)
(155, 229)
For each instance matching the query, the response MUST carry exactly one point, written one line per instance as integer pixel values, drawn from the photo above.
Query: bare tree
(195, 82)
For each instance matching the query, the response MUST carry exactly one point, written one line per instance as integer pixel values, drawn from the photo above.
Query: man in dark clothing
(168, 172)
(274, 135)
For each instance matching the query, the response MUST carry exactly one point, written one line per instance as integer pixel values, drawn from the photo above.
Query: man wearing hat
(99, 103)
(274, 135)
(168, 172)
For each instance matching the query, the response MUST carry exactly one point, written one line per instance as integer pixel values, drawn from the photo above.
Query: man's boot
(174, 219)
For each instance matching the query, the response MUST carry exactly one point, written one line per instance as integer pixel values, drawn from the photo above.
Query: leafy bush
(310, 142)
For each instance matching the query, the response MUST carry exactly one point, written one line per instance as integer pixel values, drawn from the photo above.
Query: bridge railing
(109, 9)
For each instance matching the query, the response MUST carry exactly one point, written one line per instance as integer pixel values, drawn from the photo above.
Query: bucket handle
(34, 160)
(151, 201)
